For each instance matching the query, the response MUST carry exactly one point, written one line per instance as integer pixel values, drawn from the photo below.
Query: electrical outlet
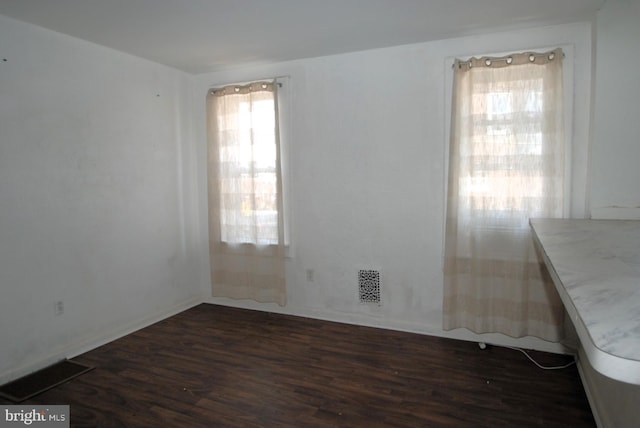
(310, 275)
(59, 307)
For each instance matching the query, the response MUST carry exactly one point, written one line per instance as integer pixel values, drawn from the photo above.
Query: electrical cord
(540, 365)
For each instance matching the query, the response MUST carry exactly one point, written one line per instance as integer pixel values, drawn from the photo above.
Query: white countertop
(595, 265)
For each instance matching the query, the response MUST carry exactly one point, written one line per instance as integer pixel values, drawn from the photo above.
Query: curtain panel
(506, 165)
(246, 227)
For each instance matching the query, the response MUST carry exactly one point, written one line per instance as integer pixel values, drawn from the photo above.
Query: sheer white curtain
(246, 228)
(506, 164)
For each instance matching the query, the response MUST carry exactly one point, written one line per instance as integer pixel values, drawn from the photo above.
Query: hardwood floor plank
(226, 367)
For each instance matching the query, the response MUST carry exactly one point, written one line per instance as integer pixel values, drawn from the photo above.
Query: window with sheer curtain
(506, 165)
(245, 193)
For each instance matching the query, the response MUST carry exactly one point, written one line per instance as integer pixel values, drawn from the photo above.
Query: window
(246, 216)
(248, 175)
(508, 169)
(506, 165)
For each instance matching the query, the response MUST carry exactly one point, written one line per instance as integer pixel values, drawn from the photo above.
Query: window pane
(248, 181)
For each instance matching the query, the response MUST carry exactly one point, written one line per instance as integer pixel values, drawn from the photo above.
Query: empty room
(257, 213)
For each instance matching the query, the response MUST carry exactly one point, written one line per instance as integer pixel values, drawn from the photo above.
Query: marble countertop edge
(610, 339)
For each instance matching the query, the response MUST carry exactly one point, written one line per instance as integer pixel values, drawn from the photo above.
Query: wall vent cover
(369, 286)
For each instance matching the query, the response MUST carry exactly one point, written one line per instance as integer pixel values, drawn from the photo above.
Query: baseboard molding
(88, 343)
(399, 325)
(91, 342)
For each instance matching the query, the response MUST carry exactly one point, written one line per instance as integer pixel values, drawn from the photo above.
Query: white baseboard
(399, 325)
(88, 343)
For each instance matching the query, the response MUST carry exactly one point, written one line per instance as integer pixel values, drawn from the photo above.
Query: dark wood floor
(213, 366)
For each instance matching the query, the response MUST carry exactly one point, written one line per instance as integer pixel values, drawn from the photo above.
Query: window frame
(283, 110)
(568, 95)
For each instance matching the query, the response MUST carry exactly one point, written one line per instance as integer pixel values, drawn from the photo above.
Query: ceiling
(209, 35)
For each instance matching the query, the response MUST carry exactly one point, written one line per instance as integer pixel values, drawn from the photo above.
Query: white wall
(368, 142)
(615, 173)
(102, 166)
(93, 144)
(616, 146)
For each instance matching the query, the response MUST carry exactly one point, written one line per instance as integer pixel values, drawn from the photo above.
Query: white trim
(90, 342)
(394, 324)
(285, 112)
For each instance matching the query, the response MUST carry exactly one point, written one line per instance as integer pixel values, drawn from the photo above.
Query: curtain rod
(506, 60)
(245, 82)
